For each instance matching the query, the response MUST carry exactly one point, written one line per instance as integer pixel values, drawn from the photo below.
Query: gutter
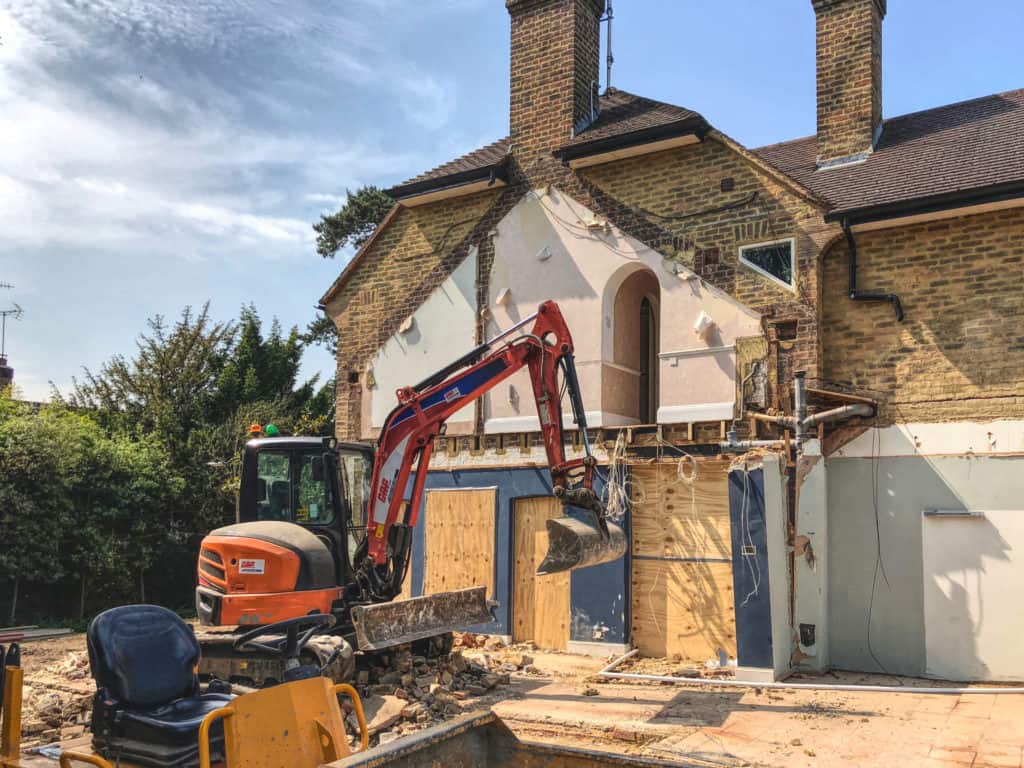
(489, 173)
(948, 201)
(690, 126)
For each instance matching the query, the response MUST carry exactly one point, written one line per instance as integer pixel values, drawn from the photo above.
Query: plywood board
(682, 589)
(673, 518)
(683, 609)
(459, 535)
(972, 617)
(540, 604)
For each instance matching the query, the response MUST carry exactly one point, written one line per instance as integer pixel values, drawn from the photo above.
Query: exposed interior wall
(960, 351)
(441, 329)
(776, 516)
(812, 559)
(551, 247)
(974, 588)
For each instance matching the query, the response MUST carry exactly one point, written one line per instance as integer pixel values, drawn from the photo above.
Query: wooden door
(459, 537)
(682, 592)
(540, 604)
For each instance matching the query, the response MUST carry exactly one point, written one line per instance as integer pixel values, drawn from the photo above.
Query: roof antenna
(610, 59)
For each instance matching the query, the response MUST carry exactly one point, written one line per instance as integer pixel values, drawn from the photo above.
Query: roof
(627, 117)
(947, 155)
(479, 162)
(624, 118)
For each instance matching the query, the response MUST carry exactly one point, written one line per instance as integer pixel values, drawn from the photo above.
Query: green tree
(353, 223)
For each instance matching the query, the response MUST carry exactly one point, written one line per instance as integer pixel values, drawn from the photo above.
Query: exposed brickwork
(849, 58)
(409, 259)
(555, 64)
(960, 352)
(687, 182)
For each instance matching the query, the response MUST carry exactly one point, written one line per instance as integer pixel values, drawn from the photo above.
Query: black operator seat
(148, 706)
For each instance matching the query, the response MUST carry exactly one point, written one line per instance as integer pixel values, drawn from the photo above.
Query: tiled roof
(624, 113)
(973, 145)
(485, 157)
(621, 114)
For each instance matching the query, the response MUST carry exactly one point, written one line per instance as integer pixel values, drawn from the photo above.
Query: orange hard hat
(255, 429)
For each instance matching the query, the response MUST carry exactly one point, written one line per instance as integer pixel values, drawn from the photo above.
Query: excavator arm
(407, 439)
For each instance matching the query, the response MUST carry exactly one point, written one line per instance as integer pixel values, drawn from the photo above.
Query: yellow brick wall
(410, 258)
(959, 354)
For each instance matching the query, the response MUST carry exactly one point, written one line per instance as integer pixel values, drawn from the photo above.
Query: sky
(158, 154)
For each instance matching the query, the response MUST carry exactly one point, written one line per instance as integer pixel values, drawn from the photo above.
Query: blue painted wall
(599, 596)
(750, 569)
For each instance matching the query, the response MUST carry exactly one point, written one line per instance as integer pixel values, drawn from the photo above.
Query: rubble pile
(57, 701)
(404, 692)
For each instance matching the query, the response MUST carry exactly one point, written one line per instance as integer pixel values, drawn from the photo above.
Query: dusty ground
(556, 697)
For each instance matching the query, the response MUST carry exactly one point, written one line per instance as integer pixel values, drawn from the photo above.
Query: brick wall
(411, 257)
(849, 65)
(646, 192)
(959, 355)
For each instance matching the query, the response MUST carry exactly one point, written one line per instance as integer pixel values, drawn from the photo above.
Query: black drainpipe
(867, 295)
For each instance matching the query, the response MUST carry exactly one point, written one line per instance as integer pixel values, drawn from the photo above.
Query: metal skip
(403, 621)
(573, 543)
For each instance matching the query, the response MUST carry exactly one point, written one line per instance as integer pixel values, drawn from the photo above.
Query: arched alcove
(630, 385)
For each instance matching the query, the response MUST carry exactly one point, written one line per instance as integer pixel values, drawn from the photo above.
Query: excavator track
(220, 660)
(254, 670)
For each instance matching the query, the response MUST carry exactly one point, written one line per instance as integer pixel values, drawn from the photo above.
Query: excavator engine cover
(574, 543)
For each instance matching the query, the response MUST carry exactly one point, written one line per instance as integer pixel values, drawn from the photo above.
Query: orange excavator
(325, 528)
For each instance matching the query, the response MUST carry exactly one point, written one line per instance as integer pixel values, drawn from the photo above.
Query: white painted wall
(549, 246)
(443, 328)
(775, 519)
(972, 616)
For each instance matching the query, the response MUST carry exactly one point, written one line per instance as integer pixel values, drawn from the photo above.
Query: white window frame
(765, 273)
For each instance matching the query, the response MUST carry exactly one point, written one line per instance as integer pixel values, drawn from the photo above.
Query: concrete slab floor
(772, 728)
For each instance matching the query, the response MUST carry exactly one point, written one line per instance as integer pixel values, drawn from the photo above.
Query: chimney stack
(556, 51)
(849, 57)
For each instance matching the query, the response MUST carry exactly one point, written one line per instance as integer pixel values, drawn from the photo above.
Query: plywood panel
(459, 535)
(683, 609)
(540, 604)
(682, 590)
(672, 518)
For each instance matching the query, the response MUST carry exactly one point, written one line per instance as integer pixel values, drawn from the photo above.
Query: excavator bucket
(403, 621)
(574, 543)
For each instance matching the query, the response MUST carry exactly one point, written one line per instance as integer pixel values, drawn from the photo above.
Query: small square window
(773, 260)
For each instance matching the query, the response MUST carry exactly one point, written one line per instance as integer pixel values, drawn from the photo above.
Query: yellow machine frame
(297, 724)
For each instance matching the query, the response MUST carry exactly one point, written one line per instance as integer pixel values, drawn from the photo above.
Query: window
(356, 472)
(293, 486)
(773, 260)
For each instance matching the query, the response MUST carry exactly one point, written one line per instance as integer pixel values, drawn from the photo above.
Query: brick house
(882, 258)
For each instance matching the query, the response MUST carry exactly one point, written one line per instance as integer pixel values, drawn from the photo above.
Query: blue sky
(157, 154)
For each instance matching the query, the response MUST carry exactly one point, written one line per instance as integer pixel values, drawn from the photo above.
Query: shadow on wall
(925, 595)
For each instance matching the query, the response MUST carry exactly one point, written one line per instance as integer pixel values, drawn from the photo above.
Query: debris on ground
(58, 691)
(679, 667)
(404, 692)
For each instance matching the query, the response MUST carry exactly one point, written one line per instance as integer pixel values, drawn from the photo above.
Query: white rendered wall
(443, 328)
(551, 247)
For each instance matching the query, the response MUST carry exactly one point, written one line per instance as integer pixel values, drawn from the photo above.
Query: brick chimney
(849, 55)
(556, 48)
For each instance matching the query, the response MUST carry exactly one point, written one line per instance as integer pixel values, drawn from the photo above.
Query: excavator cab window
(293, 486)
(356, 474)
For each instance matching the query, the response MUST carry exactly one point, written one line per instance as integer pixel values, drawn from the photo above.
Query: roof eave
(962, 198)
(692, 126)
(495, 171)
